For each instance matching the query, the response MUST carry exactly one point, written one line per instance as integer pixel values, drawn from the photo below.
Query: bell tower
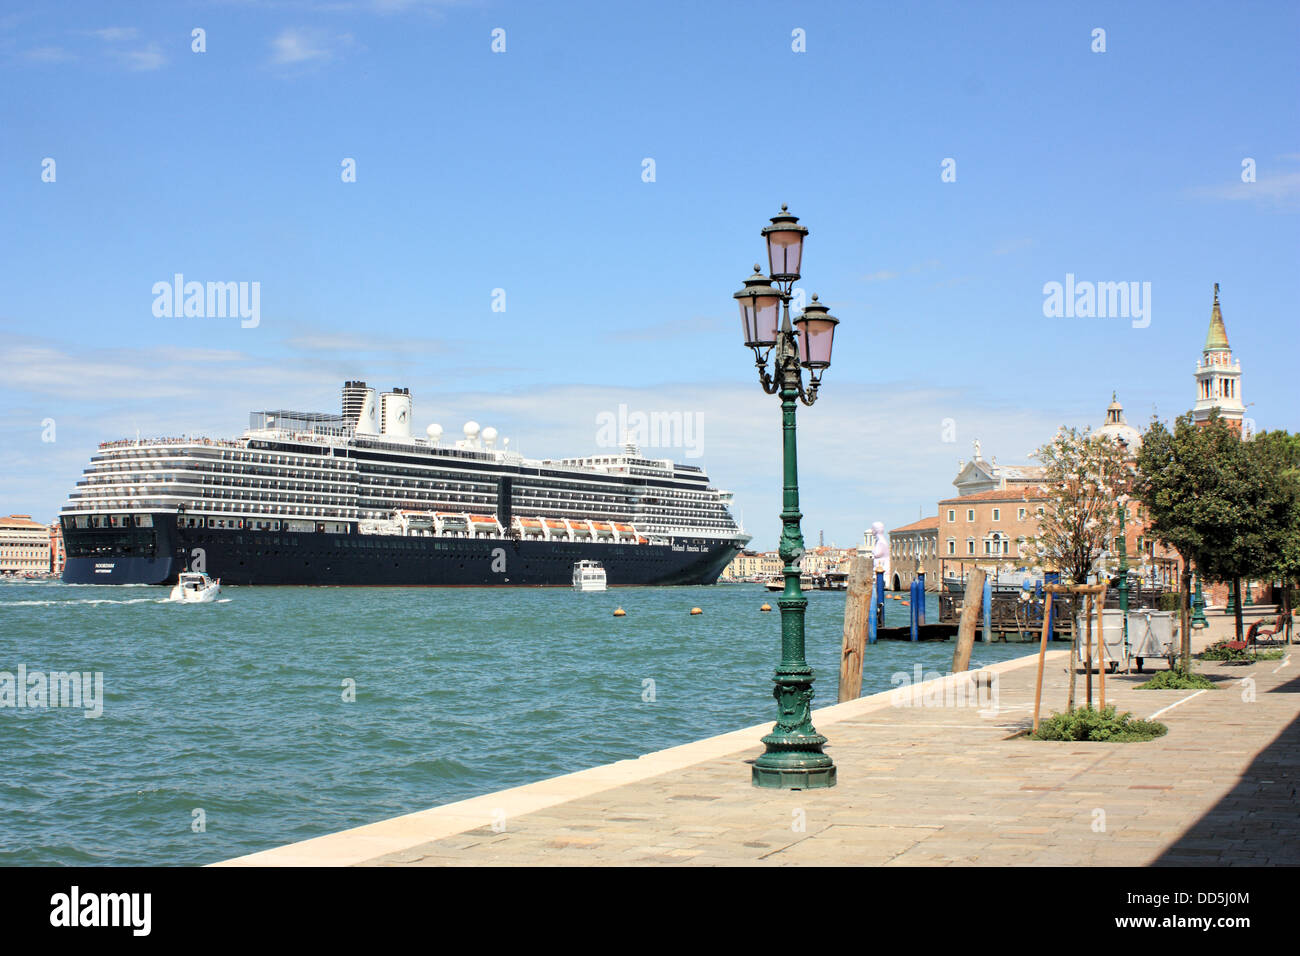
(1218, 377)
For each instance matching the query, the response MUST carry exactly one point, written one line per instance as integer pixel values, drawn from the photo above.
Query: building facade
(913, 550)
(24, 545)
(57, 555)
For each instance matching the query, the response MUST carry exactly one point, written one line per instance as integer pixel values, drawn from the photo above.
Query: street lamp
(794, 759)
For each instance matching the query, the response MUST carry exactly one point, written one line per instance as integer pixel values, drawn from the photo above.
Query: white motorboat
(588, 576)
(195, 587)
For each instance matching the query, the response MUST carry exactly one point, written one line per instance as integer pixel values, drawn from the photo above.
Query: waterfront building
(989, 528)
(24, 545)
(978, 475)
(764, 565)
(745, 566)
(913, 549)
(57, 555)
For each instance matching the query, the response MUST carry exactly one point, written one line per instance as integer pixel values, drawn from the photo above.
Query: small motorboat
(195, 587)
(588, 576)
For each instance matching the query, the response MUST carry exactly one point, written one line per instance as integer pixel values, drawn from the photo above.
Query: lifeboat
(451, 522)
(580, 529)
(530, 526)
(483, 524)
(603, 530)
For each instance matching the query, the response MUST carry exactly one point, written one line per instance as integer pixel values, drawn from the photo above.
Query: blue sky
(522, 171)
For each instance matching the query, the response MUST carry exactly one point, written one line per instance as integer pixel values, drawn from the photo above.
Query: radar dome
(434, 432)
(489, 435)
(471, 429)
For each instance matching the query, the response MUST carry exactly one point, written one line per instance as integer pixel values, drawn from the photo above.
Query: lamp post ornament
(794, 759)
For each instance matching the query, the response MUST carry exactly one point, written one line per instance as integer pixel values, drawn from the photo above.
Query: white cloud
(139, 61)
(1279, 190)
(1012, 245)
(114, 34)
(296, 46)
(49, 54)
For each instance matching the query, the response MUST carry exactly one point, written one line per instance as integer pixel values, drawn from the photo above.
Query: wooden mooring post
(970, 612)
(1096, 594)
(861, 585)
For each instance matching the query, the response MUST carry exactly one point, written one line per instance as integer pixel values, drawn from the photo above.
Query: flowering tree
(1086, 481)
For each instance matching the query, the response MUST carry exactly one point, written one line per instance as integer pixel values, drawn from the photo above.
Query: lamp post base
(785, 768)
(807, 778)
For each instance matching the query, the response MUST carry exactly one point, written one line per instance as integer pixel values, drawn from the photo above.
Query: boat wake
(83, 601)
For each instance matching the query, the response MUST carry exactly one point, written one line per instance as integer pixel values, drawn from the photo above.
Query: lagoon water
(236, 709)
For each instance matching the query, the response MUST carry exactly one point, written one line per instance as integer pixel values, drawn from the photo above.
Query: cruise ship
(306, 498)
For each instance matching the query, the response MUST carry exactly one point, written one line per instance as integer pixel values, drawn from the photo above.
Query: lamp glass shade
(784, 251)
(768, 309)
(816, 336)
(759, 311)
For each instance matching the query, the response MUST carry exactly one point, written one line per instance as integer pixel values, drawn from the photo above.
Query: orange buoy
(696, 610)
(619, 612)
(766, 607)
(907, 604)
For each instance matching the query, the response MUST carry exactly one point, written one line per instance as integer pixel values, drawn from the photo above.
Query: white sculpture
(880, 552)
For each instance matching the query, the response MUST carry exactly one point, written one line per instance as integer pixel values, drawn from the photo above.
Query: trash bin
(1111, 646)
(1151, 633)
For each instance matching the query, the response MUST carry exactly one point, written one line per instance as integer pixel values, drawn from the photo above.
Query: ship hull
(156, 555)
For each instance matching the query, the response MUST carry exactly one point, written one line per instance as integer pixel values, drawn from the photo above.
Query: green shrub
(1169, 601)
(1224, 651)
(1178, 680)
(1099, 725)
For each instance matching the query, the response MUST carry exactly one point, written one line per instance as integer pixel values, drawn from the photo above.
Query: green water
(237, 709)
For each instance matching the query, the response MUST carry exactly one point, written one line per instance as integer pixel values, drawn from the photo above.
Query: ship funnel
(395, 413)
(368, 415)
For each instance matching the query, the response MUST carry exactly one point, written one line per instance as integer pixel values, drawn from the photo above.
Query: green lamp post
(1198, 605)
(1123, 567)
(794, 759)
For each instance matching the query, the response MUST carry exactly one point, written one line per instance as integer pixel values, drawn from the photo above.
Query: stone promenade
(942, 781)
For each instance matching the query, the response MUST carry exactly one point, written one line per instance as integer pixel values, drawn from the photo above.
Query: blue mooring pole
(1049, 600)
(988, 611)
(911, 590)
(920, 612)
(871, 612)
(880, 597)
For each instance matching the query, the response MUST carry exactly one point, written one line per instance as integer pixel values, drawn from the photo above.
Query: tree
(1276, 458)
(1085, 477)
(1201, 498)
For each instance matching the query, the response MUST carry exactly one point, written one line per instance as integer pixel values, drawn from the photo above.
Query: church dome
(1119, 429)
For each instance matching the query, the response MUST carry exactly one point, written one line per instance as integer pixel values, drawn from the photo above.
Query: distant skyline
(951, 161)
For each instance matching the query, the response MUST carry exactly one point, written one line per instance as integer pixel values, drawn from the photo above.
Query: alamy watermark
(1098, 300)
(38, 690)
(684, 430)
(923, 688)
(212, 300)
